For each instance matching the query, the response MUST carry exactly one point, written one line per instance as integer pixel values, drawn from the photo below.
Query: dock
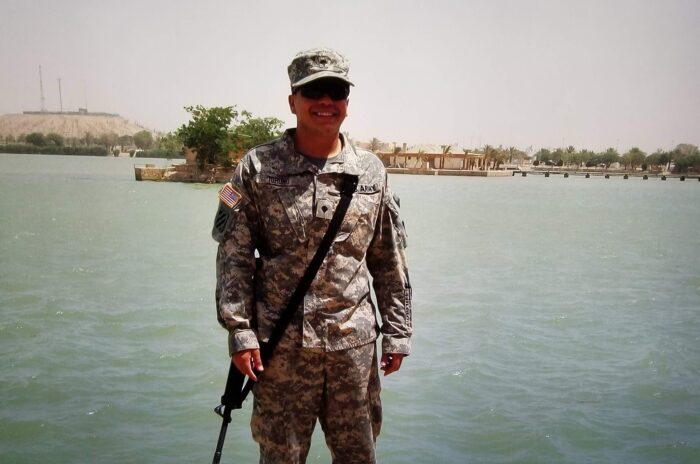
(608, 175)
(448, 172)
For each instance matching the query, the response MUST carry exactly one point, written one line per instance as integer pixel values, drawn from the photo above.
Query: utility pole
(41, 91)
(60, 97)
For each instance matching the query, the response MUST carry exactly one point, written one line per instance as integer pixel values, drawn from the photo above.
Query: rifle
(236, 386)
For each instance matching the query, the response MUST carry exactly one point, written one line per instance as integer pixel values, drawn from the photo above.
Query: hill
(68, 125)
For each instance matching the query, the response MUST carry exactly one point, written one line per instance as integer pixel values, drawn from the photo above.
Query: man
(279, 204)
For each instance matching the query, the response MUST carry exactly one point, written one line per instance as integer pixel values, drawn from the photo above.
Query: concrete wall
(183, 173)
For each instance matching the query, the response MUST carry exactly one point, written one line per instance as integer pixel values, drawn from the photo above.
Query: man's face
(320, 106)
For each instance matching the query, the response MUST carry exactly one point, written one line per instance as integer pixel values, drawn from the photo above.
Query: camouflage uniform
(325, 365)
(279, 205)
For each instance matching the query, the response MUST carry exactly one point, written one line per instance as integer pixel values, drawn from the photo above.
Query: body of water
(556, 320)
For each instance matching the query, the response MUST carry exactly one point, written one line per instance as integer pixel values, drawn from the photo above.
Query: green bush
(36, 138)
(56, 139)
(20, 148)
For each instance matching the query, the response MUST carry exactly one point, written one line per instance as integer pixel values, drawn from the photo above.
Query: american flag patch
(229, 196)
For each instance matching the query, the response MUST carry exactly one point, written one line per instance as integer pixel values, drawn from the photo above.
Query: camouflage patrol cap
(317, 63)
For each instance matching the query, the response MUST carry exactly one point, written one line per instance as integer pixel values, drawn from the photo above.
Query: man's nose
(325, 98)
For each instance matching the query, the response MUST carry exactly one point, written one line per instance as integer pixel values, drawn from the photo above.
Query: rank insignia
(230, 196)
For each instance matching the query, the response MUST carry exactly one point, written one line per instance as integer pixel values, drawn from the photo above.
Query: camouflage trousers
(299, 386)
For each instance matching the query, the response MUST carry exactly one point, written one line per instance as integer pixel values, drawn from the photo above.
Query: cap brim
(321, 75)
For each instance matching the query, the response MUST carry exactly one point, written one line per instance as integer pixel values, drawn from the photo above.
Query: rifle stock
(233, 397)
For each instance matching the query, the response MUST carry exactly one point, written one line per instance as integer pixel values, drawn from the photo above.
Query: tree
(170, 142)
(36, 138)
(686, 156)
(489, 155)
(88, 139)
(659, 159)
(543, 155)
(515, 154)
(375, 144)
(557, 155)
(143, 140)
(633, 158)
(126, 140)
(584, 157)
(55, 139)
(497, 155)
(569, 156)
(500, 157)
(108, 140)
(207, 132)
(214, 132)
(608, 157)
(251, 132)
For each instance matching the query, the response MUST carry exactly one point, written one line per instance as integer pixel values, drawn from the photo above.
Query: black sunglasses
(337, 90)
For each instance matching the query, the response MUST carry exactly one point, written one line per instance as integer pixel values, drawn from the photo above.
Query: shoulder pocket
(399, 226)
(221, 222)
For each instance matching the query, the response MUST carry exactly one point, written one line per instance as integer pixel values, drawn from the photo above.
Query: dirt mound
(66, 125)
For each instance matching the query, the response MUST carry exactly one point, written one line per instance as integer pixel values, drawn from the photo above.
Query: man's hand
(247, 361)
(391, 362)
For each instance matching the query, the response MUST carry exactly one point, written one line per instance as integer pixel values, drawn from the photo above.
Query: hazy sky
(526, 73)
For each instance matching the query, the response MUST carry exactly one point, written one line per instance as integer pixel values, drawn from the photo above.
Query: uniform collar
(291, 162)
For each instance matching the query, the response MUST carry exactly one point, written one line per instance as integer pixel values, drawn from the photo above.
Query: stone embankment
(183, 173)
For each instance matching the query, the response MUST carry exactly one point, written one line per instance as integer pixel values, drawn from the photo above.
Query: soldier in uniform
(278, 206)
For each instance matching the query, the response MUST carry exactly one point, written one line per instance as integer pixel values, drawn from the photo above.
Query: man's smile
(324, 113)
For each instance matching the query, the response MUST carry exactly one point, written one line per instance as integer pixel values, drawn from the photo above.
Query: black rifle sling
(234, 397)
(347, 190)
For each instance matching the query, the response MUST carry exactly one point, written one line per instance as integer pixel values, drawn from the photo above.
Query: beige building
(433, 159)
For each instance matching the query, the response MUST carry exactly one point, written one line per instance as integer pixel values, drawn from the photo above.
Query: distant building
(419, 159)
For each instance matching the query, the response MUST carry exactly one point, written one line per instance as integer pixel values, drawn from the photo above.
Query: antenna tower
(60, 97)
(41, 91)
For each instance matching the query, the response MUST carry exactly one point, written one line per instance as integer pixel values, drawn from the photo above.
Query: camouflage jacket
(282, 205)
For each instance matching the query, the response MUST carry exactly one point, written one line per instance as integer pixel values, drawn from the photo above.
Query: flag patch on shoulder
(230, 196)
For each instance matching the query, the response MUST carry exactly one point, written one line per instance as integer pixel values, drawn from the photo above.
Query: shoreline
(189, 173)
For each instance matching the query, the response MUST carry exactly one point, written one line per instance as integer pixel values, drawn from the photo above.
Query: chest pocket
(284, 203)
(362, 212)
(359, 222)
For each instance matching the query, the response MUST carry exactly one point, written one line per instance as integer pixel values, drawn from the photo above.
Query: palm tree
(570, 154)
(496, 154)
(633, 158)
(489, 154)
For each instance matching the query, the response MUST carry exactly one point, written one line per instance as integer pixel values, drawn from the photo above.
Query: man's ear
(291, 104)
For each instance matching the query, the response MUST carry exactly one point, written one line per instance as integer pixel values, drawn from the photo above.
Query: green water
(557, 320)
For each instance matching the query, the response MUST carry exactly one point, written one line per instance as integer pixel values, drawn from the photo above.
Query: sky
(528, 73)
